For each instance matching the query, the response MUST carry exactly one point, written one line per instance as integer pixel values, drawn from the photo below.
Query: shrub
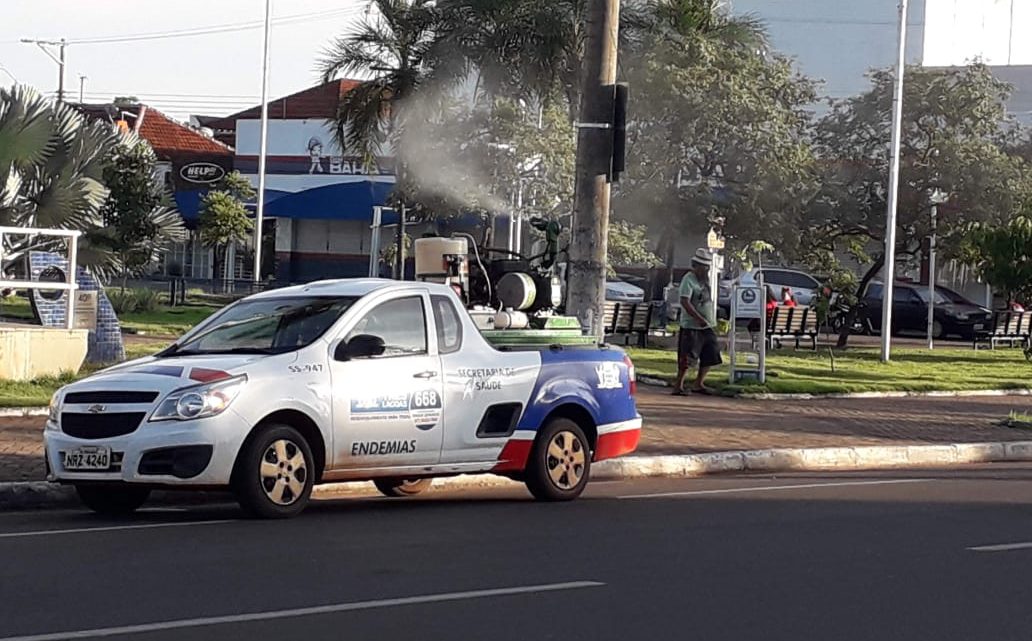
(123, 302)
(130, 301)
(147, 300)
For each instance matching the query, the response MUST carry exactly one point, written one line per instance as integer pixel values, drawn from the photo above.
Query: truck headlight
(54, 411)
(199, 401)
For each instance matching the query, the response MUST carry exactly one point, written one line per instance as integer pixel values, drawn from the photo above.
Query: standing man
(697, 340)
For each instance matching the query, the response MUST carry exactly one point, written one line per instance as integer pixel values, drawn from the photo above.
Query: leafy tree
(51, 173)
(719, 138)
(224, 219)
(628, 246)
(1002, 255)
(139, 213)
(956, 138)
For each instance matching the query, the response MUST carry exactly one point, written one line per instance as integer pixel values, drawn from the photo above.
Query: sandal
(679, 392)
(705, 391)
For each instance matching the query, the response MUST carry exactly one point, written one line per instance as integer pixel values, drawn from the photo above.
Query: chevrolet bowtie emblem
(95, 409)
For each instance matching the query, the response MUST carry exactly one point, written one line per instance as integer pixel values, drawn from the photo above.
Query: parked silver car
(804, 286)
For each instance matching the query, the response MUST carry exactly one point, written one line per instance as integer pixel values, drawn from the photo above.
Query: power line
(213, 29)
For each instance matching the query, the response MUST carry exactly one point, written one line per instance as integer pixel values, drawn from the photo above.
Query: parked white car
(618, 291)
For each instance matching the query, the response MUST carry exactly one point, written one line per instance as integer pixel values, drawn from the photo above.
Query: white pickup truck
(341, 380)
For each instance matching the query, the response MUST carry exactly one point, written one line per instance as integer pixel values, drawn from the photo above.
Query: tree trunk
(854, 310)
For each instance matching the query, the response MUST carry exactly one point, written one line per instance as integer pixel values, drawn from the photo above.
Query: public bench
(630, 320)
(1011, 328)
(797, 323)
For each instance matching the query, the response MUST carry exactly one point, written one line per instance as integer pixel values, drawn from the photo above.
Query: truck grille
(110, 397)
(104, 425)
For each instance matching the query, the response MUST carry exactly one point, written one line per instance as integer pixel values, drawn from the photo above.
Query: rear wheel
(560, 462)
(938, 331)
(402, 487)
(112, 500)
(275, 473)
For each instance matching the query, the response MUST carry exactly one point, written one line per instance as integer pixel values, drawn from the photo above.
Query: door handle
(426, 374)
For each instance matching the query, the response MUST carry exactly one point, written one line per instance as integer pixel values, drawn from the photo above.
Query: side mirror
(361, 346)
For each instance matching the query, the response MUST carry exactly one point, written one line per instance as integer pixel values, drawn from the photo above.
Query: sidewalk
(686, 425)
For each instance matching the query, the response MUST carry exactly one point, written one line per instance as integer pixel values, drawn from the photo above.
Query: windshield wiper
(231, 350)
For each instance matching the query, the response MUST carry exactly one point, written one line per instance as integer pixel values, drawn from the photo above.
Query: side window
(904, 295)
(802, 281)
(449, 325)
(401, 324)
(874, 292)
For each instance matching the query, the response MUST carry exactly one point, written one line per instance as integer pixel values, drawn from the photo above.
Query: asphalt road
(801, 556)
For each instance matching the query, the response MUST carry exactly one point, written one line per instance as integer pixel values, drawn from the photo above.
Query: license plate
(87, 458)
(979, 325)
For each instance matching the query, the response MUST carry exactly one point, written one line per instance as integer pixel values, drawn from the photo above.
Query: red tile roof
(315, 102)
(167, 136)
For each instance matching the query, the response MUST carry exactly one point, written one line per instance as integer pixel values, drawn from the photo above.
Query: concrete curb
(653, 381)
(20, 412)
(36, 494)
(928, 394)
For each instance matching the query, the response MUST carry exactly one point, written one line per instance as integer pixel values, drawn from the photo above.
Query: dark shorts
(697, 346)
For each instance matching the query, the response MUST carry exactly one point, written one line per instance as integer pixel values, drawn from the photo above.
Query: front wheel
(560, 462)
(112, 500)
(402, 487)
(275, 473)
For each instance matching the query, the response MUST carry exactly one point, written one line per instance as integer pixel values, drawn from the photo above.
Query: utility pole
(59, 58)
(889, 270)
(587, 263)
(82, 87)
(263, 148)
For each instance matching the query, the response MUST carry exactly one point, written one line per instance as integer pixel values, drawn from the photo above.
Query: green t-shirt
(702, 300)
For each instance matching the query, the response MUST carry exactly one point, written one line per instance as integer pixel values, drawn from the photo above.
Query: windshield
(264, 326)
(940, 297)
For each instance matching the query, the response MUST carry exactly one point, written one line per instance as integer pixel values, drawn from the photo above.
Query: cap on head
(702, 257)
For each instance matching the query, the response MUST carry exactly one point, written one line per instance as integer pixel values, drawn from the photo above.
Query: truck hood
(167, 374)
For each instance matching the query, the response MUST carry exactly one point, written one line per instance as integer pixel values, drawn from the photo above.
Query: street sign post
(748, 359)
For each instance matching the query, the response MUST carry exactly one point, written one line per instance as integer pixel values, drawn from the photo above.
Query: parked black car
(953, 314)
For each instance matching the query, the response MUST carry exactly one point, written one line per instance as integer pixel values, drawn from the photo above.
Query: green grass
(1020, 420)
(167, 321)
(860, 370)
(164, 321)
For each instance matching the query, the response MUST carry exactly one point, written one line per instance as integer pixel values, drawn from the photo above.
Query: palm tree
(699, 25)
(393, 44)
(51, 171)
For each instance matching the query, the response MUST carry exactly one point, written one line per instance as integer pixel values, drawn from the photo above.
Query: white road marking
(772, 488)
(300, 612)
(80, 530)
(1003, 547)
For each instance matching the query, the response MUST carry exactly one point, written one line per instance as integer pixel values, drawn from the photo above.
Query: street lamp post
(262, 149)
(937, 197)
(890, 214)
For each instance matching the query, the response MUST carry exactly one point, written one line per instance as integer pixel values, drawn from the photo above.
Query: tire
(549, 476)
(938, 331)
(274, 474)
(112, 500)
(397, 488)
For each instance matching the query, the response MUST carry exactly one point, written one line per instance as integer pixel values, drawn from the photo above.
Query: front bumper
(173, 452)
